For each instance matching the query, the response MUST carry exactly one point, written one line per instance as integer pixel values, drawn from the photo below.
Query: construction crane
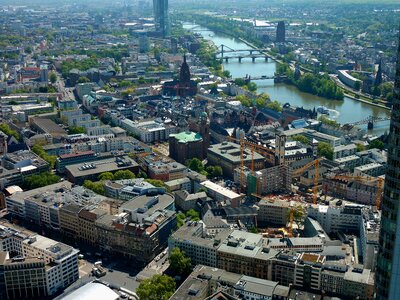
(268, 154)
(299, 172)
(366, 179)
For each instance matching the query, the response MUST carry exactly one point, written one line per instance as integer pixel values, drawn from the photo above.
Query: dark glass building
(280, 32)
(161, 17)
(388, 266)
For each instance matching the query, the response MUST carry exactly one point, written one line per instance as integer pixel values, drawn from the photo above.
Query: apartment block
(61, 260)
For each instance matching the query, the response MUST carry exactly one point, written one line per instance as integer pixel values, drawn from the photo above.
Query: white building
(149, 131)
(62, 260)
(334, 219)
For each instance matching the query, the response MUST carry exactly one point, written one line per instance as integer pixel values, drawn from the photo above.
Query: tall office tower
(280, 32)
(378, 77)
(388, 266)
(161, 17)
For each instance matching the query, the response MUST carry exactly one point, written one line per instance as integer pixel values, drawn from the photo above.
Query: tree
(244, 100)
(253, 229)
(193, 215)
(125, 84)
(76, 130)
(39, 180)
(386, 88)
(157, 183)
(240, 81)
(83, 79)
(300, 138)
(360, 147)
(217, 171)
(357, 85)
(50, 159)
(127, 92)
(106, 176)
(325, 150)
(196, 165)
(158, 287)
(179, 263)
(180, 219)
(96, 187)
(124, 174)
(327, 121)
(53, 77)
(262, 100)
(299, 214)
(8, 131)
(252, 86)
(142, 174)
(28, 50)
(376, 144)
(274, 105)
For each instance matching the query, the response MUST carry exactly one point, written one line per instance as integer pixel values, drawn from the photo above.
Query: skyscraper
(280, 32)
(378, 77)
(388, 266)
(161, 17)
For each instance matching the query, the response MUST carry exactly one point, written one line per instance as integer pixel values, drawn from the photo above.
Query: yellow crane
(269, 154)
(299, 172)
(366, 179)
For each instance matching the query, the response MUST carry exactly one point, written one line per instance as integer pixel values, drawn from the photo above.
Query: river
(345, 111)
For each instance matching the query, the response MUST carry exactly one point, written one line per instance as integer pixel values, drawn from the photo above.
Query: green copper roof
(187, 137)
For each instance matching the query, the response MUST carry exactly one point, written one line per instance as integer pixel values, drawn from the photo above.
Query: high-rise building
(388, 267)
(161, 17)
(378, 77)
(280, 32)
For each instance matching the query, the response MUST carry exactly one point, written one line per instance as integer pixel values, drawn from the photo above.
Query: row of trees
(196, 165)
(261, 101)
(119, 175)
(39, 180)
(76, 130)
(51, 159)
(10, 132)
(98, 186)
(329, 122)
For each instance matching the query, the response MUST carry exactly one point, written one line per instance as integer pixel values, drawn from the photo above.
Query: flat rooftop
(153, 203)
(231, 152)
(49, 126)
(101, 166)
(220, 189)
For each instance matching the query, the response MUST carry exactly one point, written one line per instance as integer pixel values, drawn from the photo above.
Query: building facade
(388, 268)
(161, 17)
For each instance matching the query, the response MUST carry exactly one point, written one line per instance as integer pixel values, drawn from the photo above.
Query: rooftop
(231, 152)
(187, 137)
(220, 189)
(101, 166)
(148, 204)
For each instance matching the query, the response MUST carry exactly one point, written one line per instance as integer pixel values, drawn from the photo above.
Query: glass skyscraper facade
(161, 17)
(388, 267)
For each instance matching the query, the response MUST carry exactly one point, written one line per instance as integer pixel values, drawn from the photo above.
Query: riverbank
(367, 102)
(348, 110)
